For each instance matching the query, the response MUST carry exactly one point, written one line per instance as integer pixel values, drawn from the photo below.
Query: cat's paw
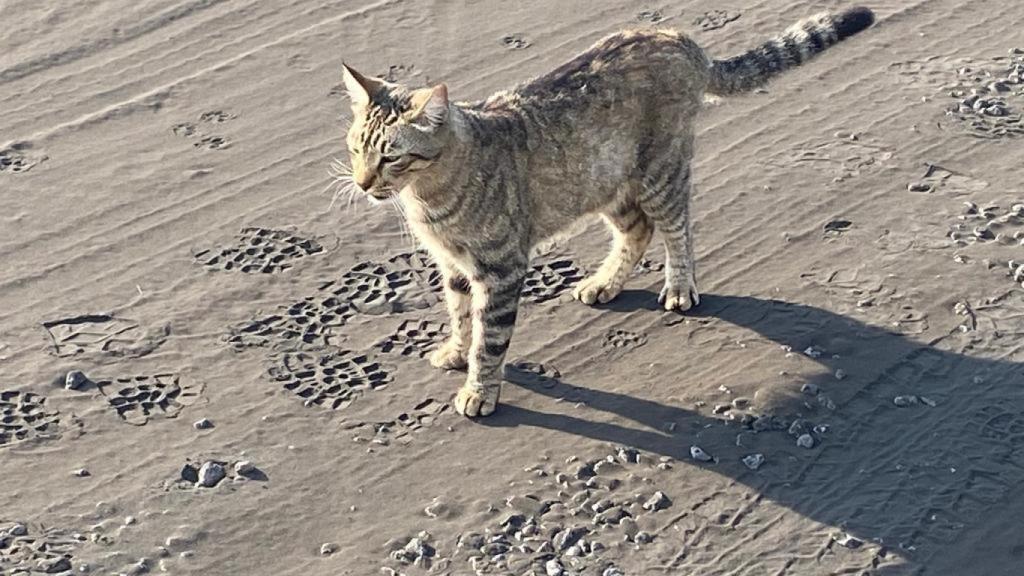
(679, 297)
(450, 356)
(475, 399)
(596, 289)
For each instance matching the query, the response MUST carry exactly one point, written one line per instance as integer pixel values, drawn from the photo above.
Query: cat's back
(620, 65)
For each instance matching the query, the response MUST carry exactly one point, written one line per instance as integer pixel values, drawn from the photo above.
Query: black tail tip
(851, 21)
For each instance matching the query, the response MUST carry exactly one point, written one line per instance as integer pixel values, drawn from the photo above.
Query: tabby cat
(609, 133)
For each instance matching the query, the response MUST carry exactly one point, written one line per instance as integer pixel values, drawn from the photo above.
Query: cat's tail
(799, 43)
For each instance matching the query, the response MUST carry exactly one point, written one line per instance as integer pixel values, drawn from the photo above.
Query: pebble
(553, 567)
(568, 537)
(643, 538)
(327, 549)
(606, 467)
(211, 473)
(629, 455)
(698, 453)
(754, 461)
(629, 527)
(435, 508)
(613, 571)
(584, 471)
(904, 401)
(840, 374)
(810, 389)
(203, 424)
(721, 408)
(244, 468)
(919, 187)
(740, 402)
(472, 540)
(797, 428)
(75, 379)
(81, 473)
(613, 515)
(18, 530)
(996, 110)
(847, 541)
(190, 473)
(805, 441)
(129, 520)
(659, 501)
(527, 505)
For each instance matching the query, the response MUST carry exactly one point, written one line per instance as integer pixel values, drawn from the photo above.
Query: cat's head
(396, 132)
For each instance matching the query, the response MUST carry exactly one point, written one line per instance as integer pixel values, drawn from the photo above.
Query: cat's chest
(443, 246)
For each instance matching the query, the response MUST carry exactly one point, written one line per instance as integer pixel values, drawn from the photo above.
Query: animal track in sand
(27, 549)
(24, 416)
(715, 19)
(216, 117)
(872, 296)
(14, 162)
(549, 280)
(259, 250)
(312, 321)
(102, 334)
(136, 399)
(213, 143)
(515, 42)
(624, 339)
(332, 380)
(401, 429)
(652, 16)
(415, 338)
(401, 73)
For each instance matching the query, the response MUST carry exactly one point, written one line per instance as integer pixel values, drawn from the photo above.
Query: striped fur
(609, 133)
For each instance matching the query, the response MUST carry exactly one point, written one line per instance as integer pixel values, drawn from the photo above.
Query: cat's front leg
(452, 355)
(495, 307)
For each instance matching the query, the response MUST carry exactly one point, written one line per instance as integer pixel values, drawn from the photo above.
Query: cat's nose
(365, 180)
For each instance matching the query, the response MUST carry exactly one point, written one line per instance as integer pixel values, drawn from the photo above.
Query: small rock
(904, 401)
(129, 520)
(698, 453)
(203, 424)
(18, 529)
(643, 538)
(613, 571)
(584, 471)
(190, 473)
(606, 467)
(52, 565)
(797, 428)
(810, 389)
(813, 352)
(244, 468)
(629, 527)
(613, 515)
(805, 441)
(659, 501)
(721, 408)
(568, 537)
(847, 541)
(435, 508)
(629, 455)
(740, 402)
(472, 541)
(754, 461)
(80, 473)
(919, 187)
(840, 374)
(996, 110)
(75, 379)
(553, 567)
(211, 473)
(327, 549)
(528, 505)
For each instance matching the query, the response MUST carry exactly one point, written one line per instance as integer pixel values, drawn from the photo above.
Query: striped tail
(799, 43)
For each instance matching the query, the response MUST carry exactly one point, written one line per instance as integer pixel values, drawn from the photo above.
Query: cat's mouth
(381, 192)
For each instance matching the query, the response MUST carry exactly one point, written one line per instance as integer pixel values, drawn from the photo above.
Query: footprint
(314, 322)
(14, 162)
(415, 338)
(624, 339)
(333, 380)
(401, 73)
(215, 117)
(401, 429)
(259, 250)
(652, 16)
(24, 416)
(102, 334)
(30, 549)
(213, 143)
(843, 157)
(184, 129)
(549, 280)
(515, 42)
(136, 399)
(715, 19)
(407, 281)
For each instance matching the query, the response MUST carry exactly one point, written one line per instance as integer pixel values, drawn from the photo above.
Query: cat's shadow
(853, 502)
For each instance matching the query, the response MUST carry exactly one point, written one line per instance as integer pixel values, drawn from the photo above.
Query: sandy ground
(166, 227)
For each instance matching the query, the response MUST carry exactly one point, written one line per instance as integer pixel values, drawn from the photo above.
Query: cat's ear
(360, 88)
(430, 106)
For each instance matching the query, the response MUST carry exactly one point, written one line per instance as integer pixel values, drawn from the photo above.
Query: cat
(609, 133)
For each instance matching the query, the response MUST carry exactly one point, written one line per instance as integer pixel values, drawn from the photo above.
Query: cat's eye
(390, 159)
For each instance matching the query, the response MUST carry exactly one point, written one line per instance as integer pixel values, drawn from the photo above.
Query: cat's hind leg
(665, 197)
(631, 231)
